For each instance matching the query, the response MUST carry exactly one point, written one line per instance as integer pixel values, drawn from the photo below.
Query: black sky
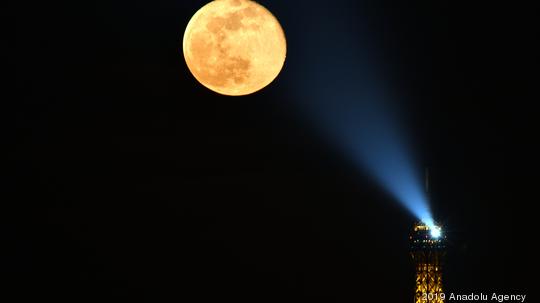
(130, 180)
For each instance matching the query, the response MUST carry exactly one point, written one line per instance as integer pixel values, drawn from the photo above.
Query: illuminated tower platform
(427, 251)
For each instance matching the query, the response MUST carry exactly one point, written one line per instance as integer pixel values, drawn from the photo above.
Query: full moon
(234, 47)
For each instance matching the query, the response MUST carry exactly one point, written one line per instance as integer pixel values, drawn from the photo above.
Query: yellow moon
(234, 47)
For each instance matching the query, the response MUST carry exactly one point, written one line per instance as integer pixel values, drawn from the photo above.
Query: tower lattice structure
(427, 251)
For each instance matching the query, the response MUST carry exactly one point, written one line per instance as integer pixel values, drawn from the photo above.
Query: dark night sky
(130, 180)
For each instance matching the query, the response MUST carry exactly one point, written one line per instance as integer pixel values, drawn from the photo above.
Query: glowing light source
(436, 231)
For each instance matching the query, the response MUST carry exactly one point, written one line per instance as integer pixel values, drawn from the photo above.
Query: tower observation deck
(427, 251)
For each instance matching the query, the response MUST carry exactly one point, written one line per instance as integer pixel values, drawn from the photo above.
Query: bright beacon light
(436, 232)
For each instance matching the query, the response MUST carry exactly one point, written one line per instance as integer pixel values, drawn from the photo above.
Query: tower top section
(428, 238)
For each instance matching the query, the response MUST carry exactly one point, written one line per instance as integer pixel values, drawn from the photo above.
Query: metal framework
(427, 252)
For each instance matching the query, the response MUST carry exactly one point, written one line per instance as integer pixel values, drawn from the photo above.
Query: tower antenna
(427, 180)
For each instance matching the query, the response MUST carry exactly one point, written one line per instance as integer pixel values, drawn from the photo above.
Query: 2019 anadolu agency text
(477, 297)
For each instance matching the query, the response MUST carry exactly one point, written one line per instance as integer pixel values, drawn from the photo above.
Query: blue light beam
(349, 103)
